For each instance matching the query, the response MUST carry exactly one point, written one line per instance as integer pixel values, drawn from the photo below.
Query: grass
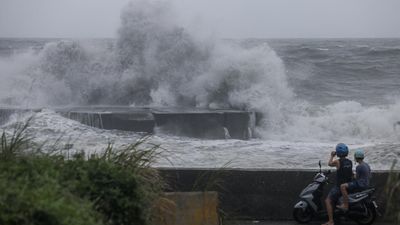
(214, 180)
(211, 180)
(11, 146)
(118, 187)
(392, 191)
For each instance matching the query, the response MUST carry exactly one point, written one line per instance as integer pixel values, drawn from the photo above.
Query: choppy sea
(312, 93)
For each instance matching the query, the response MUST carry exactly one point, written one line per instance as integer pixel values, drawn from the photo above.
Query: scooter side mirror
(319, 163)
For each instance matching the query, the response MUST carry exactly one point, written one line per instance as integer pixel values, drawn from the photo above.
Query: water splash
(156, 62)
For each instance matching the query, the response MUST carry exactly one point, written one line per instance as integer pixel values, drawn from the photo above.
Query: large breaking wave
(156, 62)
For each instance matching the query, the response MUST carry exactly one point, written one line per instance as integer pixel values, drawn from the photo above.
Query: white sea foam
(156, 62)
(50, 128)
(342, 121)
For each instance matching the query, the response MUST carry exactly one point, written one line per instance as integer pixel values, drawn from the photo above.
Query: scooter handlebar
(327, 172)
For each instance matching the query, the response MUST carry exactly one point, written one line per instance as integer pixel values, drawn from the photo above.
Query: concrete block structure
(188, 208)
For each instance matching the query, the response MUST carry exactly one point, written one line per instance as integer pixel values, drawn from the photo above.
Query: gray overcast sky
(225, 18)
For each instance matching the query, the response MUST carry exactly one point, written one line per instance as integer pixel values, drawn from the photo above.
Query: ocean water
(312, 93)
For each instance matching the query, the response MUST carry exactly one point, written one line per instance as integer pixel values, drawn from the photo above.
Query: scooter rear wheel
(369, 219)
(302, 216)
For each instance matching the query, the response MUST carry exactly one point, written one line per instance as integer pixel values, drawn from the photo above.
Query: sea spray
(156, 62)
(166, 65)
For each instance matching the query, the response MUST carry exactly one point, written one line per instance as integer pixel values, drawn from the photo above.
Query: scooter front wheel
(302, 215)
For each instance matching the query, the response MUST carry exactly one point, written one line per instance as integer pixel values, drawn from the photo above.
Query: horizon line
(227, 38)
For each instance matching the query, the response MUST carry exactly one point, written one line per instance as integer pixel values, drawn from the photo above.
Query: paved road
(287, 223)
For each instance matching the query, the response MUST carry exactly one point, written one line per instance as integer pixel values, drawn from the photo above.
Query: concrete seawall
(255, 194)
(190, 122)
(6, 113)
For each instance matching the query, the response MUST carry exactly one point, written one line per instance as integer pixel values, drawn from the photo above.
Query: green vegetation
(393, 196)
(116, 188)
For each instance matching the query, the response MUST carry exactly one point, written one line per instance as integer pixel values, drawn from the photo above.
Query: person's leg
(345, 194)
(329, 201)
(329, 210)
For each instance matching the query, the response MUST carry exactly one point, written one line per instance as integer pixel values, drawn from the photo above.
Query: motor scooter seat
(356, 190)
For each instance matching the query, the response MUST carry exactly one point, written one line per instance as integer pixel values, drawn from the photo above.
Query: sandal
(343, 208)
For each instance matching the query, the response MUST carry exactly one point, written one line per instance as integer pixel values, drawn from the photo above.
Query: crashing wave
(156, 62)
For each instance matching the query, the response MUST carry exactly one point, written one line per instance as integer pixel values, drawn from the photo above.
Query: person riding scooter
(362, 207)
(344, 174)
(363, 174)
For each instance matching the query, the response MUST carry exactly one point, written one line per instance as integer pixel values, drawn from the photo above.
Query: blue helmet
(342, 150)
(359, 154)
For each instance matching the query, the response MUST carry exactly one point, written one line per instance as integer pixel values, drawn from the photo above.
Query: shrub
(116, 188)
(30, 195)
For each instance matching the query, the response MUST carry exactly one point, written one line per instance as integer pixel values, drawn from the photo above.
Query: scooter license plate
(376, 205)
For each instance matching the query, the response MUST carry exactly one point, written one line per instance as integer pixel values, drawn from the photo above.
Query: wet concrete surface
(288, 222)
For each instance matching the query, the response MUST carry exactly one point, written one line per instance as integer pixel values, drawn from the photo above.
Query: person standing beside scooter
(363, 174)
(344, 174)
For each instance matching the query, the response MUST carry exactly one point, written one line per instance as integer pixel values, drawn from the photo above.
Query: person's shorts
(334, 194)
(352, 186)
(355, 186)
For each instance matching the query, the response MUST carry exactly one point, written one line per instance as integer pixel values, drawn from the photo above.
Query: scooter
(362, 208)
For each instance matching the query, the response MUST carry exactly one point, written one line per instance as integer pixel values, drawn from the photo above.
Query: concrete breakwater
(5, 113)
(255, 194)
(198, 123)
